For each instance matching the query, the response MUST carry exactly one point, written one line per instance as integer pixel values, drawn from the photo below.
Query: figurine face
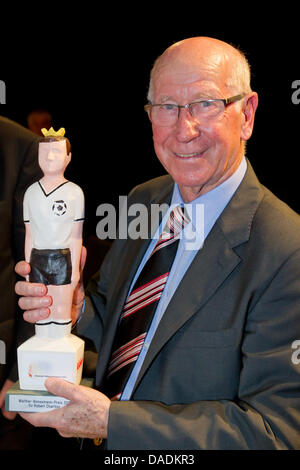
(53, 158)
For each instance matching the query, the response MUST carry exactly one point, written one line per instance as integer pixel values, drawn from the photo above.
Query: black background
(94, 80)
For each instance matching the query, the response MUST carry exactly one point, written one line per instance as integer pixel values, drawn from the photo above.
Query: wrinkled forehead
(57, 145)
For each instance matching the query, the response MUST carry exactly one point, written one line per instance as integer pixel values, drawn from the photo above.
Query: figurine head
(54, 152)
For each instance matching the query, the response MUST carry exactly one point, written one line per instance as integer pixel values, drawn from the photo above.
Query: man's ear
(249, 109)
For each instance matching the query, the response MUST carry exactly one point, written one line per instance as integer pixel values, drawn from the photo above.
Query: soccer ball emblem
(59, 207)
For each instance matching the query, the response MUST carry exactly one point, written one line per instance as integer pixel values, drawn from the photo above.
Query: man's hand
(85, 416)
(7, 414)
(34, 299)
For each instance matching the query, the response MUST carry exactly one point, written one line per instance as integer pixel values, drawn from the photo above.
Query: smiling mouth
(189, 155)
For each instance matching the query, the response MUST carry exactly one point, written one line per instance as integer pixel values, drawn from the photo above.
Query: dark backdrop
(96, 89)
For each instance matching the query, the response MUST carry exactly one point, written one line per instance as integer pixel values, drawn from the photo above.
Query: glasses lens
(164, 114)
(207, 109)
(167, 114)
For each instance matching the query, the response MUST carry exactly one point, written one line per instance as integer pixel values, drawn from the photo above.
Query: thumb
(22, 268)
(62, 388)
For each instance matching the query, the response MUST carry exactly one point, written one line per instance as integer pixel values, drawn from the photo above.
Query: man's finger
(22, 268)
(10, 415)
(62, 388)
(49, 419)
(30, 303)
(33, 316)
(31, 289)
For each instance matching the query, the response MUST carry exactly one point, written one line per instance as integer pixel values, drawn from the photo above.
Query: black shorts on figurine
(51, 267)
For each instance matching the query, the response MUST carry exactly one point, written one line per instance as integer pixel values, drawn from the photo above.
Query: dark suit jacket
(18, 169)
(219, 372)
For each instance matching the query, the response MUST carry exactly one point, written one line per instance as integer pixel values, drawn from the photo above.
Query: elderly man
(213, 366)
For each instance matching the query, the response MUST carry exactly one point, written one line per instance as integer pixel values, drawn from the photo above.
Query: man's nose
(187, 127)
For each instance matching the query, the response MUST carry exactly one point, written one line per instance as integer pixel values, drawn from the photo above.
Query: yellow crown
(52, 133)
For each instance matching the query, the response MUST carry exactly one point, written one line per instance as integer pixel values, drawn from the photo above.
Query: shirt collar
(214, 201)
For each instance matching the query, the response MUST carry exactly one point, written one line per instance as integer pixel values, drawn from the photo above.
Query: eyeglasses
(166, 114)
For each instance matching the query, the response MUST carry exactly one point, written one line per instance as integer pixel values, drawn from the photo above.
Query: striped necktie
(140, 306)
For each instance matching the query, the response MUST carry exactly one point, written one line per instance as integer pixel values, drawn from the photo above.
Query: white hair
(240, 75)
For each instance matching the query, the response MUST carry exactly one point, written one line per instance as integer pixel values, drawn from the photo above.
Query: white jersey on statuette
(51, 216)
